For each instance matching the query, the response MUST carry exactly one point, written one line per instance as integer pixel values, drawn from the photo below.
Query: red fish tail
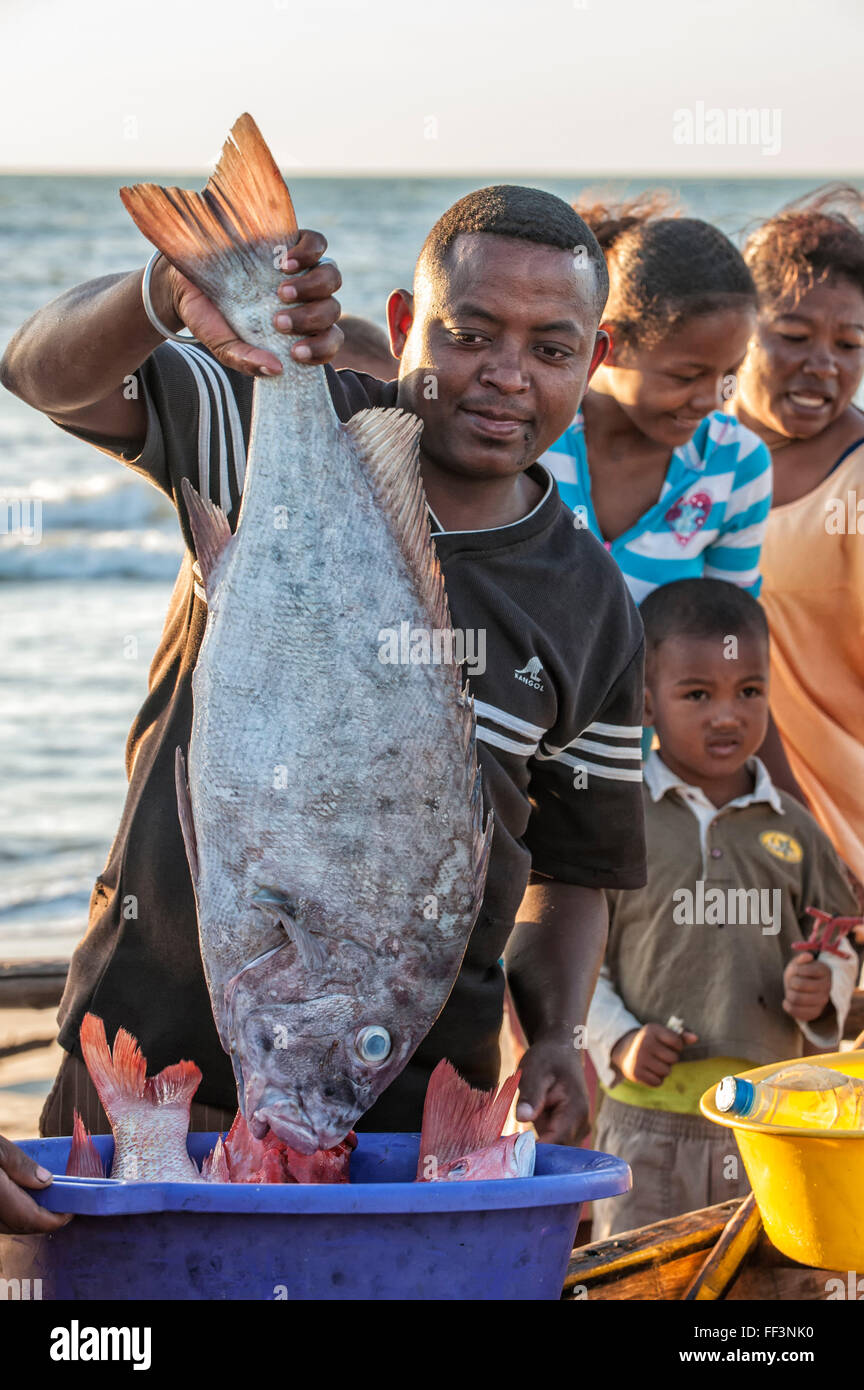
(121, 1076)
(116, 1078)
(84, 1160)
(457, 1119)
(174, 1085)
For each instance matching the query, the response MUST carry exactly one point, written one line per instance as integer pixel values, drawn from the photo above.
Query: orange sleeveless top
(813, 593)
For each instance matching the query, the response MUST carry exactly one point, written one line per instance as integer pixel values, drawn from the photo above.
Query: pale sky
(435, 86)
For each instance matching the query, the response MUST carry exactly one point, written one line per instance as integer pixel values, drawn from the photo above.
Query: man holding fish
(496, 345)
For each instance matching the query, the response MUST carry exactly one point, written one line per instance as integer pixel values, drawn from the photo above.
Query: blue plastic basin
(381, 1236)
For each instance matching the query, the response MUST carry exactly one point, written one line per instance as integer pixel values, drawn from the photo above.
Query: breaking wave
(96, 528)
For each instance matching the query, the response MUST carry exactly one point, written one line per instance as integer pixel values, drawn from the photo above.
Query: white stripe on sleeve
(507, 721)
(524, 750)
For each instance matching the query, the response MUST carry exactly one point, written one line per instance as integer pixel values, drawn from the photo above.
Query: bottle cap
(735, 1096)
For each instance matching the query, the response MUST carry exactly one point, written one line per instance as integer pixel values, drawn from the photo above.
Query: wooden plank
(664, 1282)
(649, 1247)
(725, 1262)
(32, 984)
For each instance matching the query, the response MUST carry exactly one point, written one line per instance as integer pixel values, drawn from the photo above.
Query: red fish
(461, 1138)
(511, 1156)
(150, 1122)
(243, 1158)
(149, 1116)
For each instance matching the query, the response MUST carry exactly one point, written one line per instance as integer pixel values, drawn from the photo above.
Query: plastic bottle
(799, 1095)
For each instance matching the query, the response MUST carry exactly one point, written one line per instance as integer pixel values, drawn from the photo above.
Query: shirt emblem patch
(687, 516)
(530, 674)
(782, 846)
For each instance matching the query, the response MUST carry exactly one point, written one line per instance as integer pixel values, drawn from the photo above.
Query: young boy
(700, 979)
(495, 346)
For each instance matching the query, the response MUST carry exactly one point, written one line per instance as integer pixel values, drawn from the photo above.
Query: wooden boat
(718, 1252)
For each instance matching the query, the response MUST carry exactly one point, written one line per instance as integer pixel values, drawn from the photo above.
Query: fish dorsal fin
(210, 532)
(84, 1160)
(457, 1120)
(388, 444)
(244, 214)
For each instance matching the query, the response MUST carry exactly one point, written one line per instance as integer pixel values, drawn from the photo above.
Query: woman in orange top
(795, 389)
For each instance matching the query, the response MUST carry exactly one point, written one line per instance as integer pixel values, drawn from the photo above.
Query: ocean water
(81, 611)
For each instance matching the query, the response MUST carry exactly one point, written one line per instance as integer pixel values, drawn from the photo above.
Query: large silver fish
(333, 811)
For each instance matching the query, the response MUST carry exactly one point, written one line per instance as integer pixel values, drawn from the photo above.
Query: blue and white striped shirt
(709, 521)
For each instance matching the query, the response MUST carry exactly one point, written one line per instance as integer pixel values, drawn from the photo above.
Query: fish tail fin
(84, 1160)
(121, 1076)
(243, 218)
(457, 1119)
(174, 1085)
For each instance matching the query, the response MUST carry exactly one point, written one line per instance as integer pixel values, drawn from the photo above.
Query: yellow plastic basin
(808, 1184)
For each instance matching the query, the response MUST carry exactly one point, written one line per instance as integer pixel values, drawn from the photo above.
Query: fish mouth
(290, 1121)
(289, 1129)
(301, 1136)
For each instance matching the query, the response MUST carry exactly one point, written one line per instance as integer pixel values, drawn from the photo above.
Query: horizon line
(14, 171)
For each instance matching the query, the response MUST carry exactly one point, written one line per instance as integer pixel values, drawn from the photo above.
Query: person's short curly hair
(526, 214)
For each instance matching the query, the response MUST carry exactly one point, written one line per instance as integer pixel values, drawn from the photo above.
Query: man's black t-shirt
(558, 723)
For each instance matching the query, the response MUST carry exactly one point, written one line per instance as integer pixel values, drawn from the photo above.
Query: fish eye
(373, 1044)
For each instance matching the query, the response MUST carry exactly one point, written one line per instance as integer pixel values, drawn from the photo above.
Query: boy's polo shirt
(668, 955)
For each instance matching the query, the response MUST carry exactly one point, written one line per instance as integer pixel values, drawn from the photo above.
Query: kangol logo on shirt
(782, 846)
(529, 675)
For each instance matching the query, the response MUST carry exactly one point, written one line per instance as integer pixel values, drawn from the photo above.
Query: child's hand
(647, 1054)
(807, 987)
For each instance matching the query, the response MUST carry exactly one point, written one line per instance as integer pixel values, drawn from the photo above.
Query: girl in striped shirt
(674, 486)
